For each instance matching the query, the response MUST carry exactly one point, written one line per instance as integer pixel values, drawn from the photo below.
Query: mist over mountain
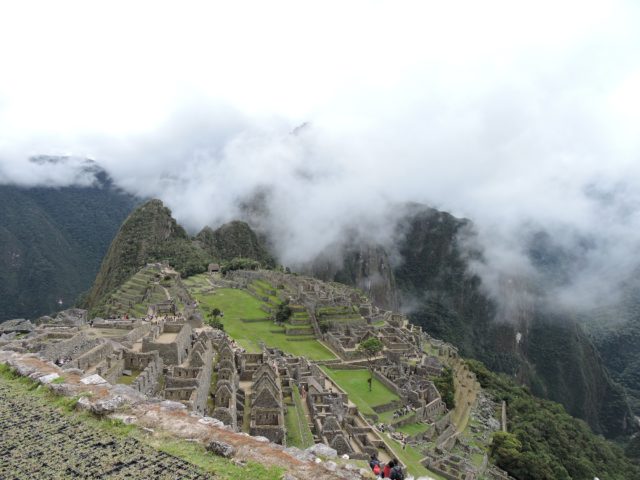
(474, 164)
(53, 238)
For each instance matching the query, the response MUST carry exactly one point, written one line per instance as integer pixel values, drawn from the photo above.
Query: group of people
(402, 412)
(392, 469)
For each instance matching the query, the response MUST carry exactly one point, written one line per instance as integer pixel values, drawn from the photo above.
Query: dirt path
(166, 292)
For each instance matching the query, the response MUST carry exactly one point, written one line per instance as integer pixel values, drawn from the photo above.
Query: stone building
(189, 382)
(228, 397)
(267, 415)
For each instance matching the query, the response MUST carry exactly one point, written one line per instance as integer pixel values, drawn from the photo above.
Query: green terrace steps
(296, 330)
(339, 314)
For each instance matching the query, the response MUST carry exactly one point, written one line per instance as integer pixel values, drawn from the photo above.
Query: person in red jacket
(386, 471)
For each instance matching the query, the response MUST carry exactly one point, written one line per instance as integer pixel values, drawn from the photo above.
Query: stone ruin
(267, 417)
(176, 359)
(189, 382)
(413, 385)
(228, 397)
(399, 340)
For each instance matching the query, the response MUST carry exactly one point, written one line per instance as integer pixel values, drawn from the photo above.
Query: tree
(239, 263)
(213, 320)
(371, 347)
(505, 449)
(284, 312)
(446, 386)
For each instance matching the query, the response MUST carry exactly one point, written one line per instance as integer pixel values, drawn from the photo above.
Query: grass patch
(129, 379)
(354, 382)
(411, 458)
(413, 428)
(239, 305)
(235, 303)
(264, 288)
(298, 431)
(223, 469)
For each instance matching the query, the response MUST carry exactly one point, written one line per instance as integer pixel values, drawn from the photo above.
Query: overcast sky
(519, 115)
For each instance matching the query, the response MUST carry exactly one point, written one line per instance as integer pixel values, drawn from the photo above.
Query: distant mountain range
(54, 240)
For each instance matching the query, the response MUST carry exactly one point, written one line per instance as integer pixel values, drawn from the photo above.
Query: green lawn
(263, 287)
(236, 304)
(413, 428)
(298, 431)
(354, 382)
(387, 417)
(239, 305)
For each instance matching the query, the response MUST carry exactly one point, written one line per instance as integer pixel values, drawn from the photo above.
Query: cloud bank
(522, 116)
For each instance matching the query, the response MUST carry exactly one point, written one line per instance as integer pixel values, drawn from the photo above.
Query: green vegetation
(283, 313)
(445, 385)
(150, 234)
(213, 319)
(265, 289)
(235, 304)
(246, 322)
(239, 263)
(222, 468)
(544, 442)
(234, 240)
(616, 334)
(355, 383)
(370, 348)
(52, 234)
(451, 305)
(298, 431)
(129, 379)
(411, 458)
(413, 428)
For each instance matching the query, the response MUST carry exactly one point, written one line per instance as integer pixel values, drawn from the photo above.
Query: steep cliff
(615, 330)
(366, 267)
(546, 350)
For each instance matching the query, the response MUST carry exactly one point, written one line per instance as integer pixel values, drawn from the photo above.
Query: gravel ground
(39, 442)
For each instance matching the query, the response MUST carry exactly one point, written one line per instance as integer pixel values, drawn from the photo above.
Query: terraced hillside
(39, 441)
(153, 284)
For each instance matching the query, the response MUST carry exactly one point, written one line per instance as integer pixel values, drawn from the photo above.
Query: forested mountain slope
(52, 241)
(435, 286)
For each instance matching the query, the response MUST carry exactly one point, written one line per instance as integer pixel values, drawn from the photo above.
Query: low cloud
(524, 119)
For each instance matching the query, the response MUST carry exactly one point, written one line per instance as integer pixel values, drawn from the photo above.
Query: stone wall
(93, 356)
(388, 383)
(204, 379)
(433, 410)
(71, 348)
(137, 333)
(111, 367)
(173, 353)
(148, 381)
